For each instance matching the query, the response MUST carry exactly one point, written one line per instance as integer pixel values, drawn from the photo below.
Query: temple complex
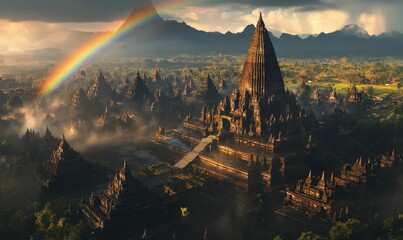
(66, 169)
(123, 209)
(334, 196)
(253, 126)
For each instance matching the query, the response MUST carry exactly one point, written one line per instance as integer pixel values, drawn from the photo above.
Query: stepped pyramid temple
(79, 104)
(101, 90)
(125, 204)
(48, 144)
(66, 169)
(137, 91)
(242, 139)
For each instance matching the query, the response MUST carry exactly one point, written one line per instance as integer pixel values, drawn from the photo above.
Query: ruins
(65, 169)
(315, 194)
(124, 208)
(101, 90)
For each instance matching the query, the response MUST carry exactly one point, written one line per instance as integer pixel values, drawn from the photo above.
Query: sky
(32, 24)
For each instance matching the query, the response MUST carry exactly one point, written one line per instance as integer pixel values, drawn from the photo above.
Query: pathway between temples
(192, 155)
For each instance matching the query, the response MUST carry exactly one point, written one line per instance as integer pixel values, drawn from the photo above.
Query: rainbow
(89, 49)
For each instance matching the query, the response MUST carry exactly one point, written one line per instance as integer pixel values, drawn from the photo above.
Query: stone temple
(65, 169)
(261, 75)
(250, 129)
(124, 205)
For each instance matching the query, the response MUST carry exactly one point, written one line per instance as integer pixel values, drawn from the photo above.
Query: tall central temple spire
(261, 75)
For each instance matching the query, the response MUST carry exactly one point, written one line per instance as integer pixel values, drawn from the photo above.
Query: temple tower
(261, 75)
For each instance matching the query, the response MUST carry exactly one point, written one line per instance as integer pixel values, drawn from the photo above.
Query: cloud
(293, 22)
(323, 15)
(192, 16)
(220, 19)
(18, 37)
(22, 36)
(373, 23)
(284, 20)
(67, 11)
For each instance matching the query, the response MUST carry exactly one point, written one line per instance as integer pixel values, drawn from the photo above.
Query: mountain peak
(145, 8)
(250, 27)
(354, 30)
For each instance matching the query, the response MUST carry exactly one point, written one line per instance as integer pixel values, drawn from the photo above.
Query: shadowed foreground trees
(53, 220)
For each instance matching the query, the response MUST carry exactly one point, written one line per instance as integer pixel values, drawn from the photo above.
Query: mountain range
(164, 38)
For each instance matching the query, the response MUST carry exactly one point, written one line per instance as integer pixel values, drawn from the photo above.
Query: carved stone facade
(314, 194)
(137, 91)
(48, 144)
(79, 103)
(110, 121)
(208, 92)
(353, 175)
(261, 74)
(388, 161)
(66, 169)
(101, 90)
(333, 197)
(123, 206)
(247, 116)
(261, 108)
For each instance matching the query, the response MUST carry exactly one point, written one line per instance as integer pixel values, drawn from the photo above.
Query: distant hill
(170, 38)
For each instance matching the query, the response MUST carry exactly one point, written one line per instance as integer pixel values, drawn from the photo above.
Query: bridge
(192, 155)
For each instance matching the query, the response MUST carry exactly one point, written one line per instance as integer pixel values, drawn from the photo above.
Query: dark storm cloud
(67, 10)
(311, 8)
(107, 10)
(264, 3)
(293, 3)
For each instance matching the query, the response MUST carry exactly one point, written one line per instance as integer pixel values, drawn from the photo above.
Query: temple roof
(100, 88)
(137, 88)
(261, 74)
(79, 100)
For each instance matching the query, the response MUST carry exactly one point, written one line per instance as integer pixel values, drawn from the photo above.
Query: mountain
(160, 37)
(353, 30)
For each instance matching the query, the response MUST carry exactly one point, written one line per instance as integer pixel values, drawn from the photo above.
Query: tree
(352, 229)
(78, 231)
(309, 236)
(55, 221)
(393, 227)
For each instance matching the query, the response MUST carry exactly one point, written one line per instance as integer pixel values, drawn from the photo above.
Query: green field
(341, 87)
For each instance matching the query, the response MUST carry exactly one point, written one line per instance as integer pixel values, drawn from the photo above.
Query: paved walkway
(192, 155)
